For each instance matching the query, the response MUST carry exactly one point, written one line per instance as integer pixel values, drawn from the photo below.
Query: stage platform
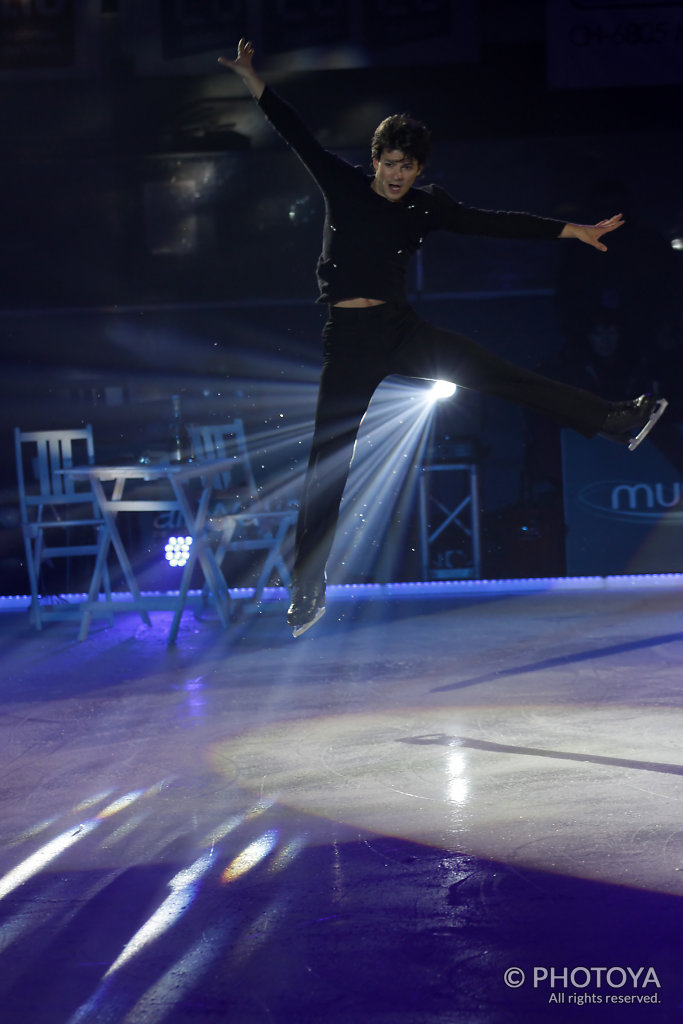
(458, 803)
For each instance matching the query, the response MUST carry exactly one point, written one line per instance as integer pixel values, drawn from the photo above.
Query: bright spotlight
(441, 389)
(178, 550)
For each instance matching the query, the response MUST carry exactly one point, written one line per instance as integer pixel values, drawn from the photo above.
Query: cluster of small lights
(178, 550)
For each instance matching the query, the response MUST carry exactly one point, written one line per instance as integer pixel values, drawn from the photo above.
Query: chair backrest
(227, 441)
(40, 455)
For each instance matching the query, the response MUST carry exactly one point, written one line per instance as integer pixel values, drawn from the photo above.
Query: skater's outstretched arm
(243, 66)
(320, 162)
(591, 233)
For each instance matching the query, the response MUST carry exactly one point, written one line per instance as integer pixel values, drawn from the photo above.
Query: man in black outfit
(372, 227)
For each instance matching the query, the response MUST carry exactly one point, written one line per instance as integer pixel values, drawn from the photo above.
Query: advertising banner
(623, 510)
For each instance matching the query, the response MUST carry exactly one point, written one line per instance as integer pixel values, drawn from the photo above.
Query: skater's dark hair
(403, 132)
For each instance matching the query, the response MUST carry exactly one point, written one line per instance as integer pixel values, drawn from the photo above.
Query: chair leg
(33, 583)
(274, 559)
(107, 589)
(221, 551)
(283, 569)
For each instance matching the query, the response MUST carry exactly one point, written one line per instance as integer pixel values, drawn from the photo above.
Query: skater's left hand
(592, 233)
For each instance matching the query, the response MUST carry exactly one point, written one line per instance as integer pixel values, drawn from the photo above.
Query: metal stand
(443, 527)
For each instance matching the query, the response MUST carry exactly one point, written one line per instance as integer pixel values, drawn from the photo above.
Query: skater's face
(395, 173)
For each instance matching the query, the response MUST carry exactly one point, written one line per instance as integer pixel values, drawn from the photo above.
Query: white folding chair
(243, 519)
(59, 517)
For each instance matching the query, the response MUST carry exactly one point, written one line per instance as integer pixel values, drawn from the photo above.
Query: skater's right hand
(242, 65)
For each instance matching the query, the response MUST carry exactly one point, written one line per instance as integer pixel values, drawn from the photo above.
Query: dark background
(158, 238)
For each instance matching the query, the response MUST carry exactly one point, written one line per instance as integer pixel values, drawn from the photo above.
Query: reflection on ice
(457, 782)
(250, 856)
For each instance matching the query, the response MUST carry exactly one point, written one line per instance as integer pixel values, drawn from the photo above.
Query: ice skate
(629, 423)
(308, 605)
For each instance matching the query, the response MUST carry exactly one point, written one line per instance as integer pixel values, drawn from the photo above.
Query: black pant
(363, 346)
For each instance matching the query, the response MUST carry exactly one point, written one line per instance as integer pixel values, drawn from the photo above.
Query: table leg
(108, 509)
(198, 550)
(95, 583)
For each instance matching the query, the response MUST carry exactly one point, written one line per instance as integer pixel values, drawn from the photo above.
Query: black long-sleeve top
(367, 239)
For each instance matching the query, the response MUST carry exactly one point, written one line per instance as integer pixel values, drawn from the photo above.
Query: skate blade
(656, 413)
(298, 630)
